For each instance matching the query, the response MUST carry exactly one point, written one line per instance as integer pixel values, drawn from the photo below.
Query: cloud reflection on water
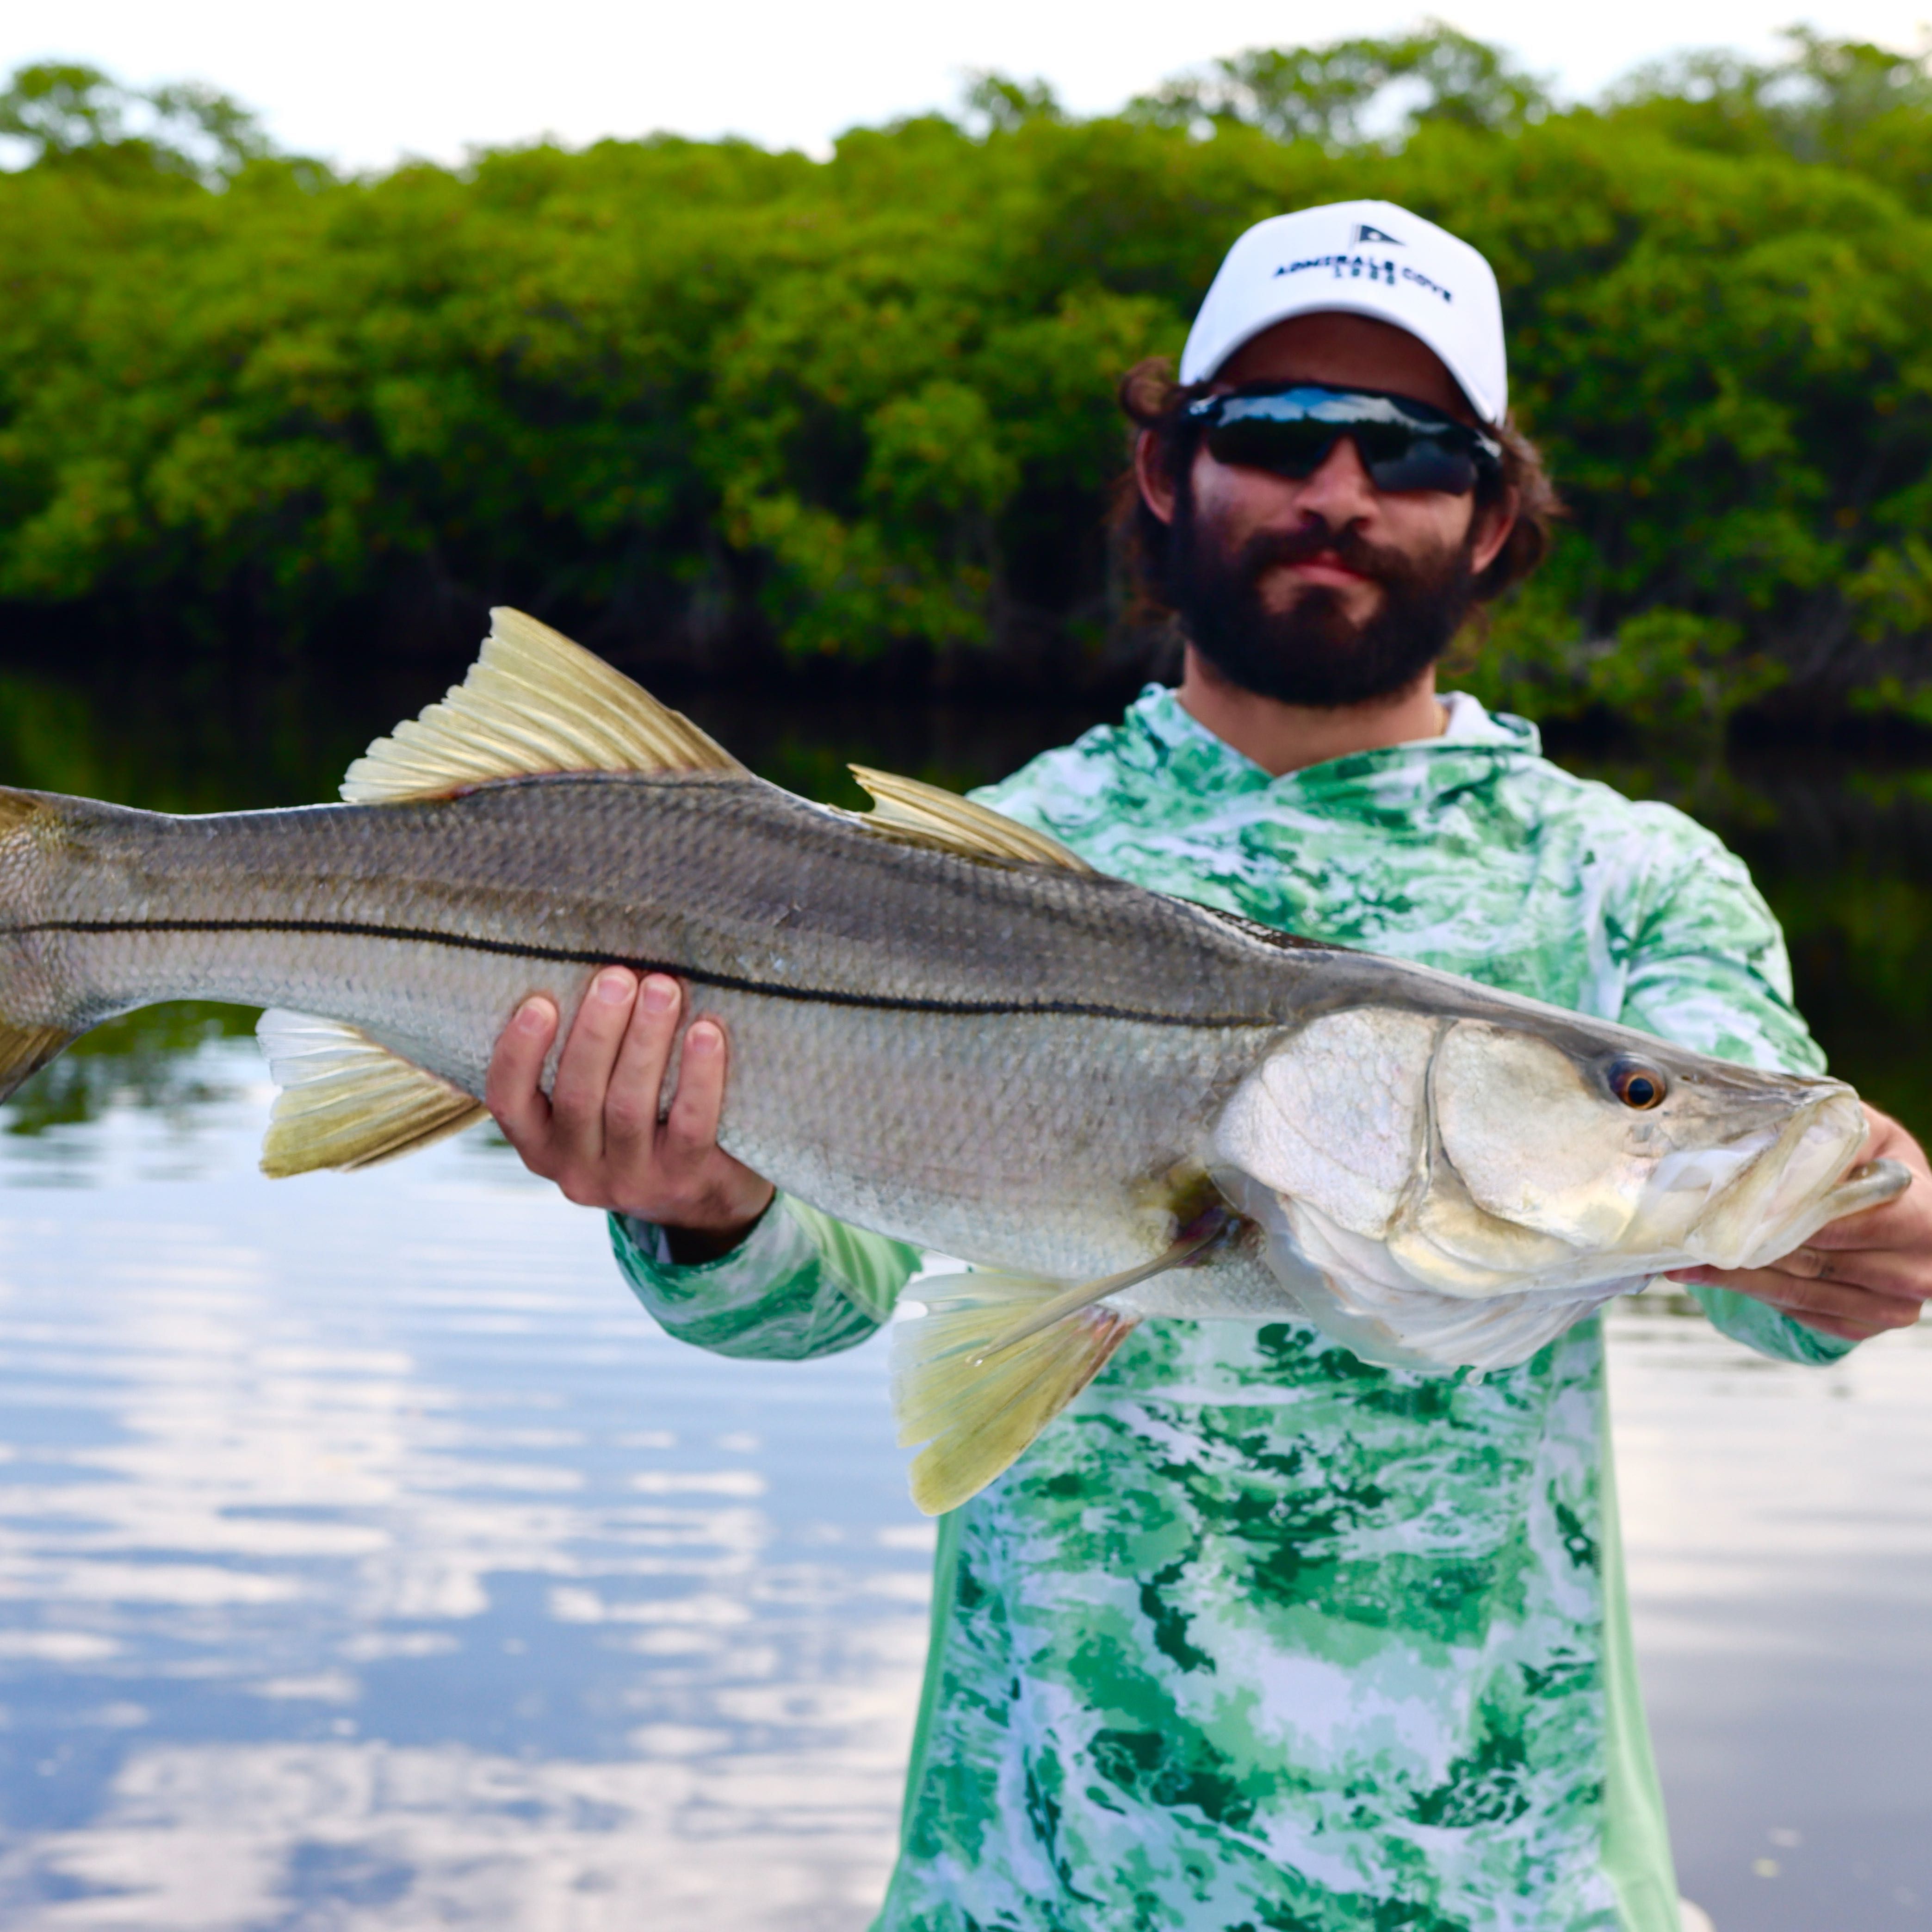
(423, 1579)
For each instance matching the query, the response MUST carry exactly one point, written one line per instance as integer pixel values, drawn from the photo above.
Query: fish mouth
(1785, 1192)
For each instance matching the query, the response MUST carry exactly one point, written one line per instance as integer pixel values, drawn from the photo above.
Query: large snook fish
(943, 1026)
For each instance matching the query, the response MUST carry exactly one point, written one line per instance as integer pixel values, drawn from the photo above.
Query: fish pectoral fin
(977, 1402)
(533, 702)
(1212, 1227)
(916, 814)
(346, 1102)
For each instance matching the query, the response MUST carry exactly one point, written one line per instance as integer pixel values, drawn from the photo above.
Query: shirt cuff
(1769, 1330)
(775, 1248)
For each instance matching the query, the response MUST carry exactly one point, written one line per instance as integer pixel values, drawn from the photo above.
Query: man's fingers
(717, 1196)
(1889, 1271)
(638, 1076)
(691, 1129)
(584, 1070)
(1903, 1222)
(511, 1091)
(598, 1137)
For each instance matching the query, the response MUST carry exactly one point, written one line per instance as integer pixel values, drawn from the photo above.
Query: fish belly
(1066, 1147)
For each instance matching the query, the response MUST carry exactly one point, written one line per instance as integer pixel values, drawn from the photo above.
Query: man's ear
(1498, 520)
(1156, 491)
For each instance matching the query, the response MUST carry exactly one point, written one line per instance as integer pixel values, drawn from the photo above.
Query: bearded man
(1256, 1635)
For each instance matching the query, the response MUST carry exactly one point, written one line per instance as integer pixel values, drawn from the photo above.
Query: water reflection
(148, 1060)
(1779, 1526)
(366, 1558)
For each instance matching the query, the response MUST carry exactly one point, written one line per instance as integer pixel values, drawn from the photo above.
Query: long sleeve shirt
(1256, 1635)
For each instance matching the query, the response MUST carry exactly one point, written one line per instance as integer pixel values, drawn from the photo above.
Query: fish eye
(1637, 1085)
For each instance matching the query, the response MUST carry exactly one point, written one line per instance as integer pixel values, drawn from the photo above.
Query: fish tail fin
(347, 1101)
(36, 1019)
(25, 1050)
(977, 1400)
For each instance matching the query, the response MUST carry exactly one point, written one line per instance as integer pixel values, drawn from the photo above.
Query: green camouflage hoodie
(1255, 1636)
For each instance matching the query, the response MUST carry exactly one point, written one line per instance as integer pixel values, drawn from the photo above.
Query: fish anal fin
(346, 1102)
(25, 1050)
(977, 1406)
(916, 814)
(533, 702)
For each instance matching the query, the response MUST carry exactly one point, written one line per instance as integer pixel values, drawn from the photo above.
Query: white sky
(362, 82)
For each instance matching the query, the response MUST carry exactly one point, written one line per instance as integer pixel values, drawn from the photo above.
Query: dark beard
(1311, 653)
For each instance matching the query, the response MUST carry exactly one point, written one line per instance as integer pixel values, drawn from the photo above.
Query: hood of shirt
(1196, 760)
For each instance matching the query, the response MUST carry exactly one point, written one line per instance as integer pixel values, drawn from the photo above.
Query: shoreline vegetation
(722, 412)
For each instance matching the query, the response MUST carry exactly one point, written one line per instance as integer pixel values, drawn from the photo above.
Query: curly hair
(1156, 402)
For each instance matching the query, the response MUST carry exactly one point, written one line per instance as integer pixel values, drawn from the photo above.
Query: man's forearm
(798, 1284)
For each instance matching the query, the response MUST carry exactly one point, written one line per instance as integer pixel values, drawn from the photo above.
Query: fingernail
(659, 994)
(534, 1015)
(703, 1038)
(614, 988)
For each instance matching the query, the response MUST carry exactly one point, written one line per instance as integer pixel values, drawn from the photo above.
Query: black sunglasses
(1404, 444)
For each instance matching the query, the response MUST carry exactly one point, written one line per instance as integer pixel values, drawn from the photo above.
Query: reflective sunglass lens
(1290, 449)
(1424, 465)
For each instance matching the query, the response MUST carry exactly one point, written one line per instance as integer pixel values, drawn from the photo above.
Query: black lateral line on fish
(699, 975)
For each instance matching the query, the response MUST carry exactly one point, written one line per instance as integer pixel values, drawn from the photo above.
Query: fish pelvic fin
(915, 813)
(346, 1102)
(976, 1403)
(533, 702)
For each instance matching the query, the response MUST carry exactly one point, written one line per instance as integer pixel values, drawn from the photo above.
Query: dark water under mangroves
(368, 1561)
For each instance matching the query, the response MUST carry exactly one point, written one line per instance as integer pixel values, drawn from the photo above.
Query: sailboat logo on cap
(1363, 233)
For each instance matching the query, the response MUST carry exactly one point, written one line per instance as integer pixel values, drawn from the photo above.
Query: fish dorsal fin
(975, 1400)
(922, 814)
(533, 702)
(347, 1102)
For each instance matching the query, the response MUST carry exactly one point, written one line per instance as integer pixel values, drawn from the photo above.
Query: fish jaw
(1789, 1188)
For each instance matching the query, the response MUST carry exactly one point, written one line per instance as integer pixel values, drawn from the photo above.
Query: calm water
(369, 1560)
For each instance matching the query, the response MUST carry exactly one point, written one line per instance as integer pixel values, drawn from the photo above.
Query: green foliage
(1823, 102)
(1674, 669)
(997, 101)
(72, 115)
(1345, 93)
(683, 395)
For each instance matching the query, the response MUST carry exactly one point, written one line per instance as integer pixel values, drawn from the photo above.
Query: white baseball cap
(1364, 258)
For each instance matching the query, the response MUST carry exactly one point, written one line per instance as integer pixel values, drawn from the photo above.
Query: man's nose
(1339, 490)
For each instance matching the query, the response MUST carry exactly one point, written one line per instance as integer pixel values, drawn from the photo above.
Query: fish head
(1636, 1153)
(1474, 1156)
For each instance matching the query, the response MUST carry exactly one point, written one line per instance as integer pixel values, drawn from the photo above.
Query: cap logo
(1367, 269)
(1363, 233)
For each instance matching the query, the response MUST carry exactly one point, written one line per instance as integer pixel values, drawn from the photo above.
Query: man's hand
(1857, 1277)
(598, 1135)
